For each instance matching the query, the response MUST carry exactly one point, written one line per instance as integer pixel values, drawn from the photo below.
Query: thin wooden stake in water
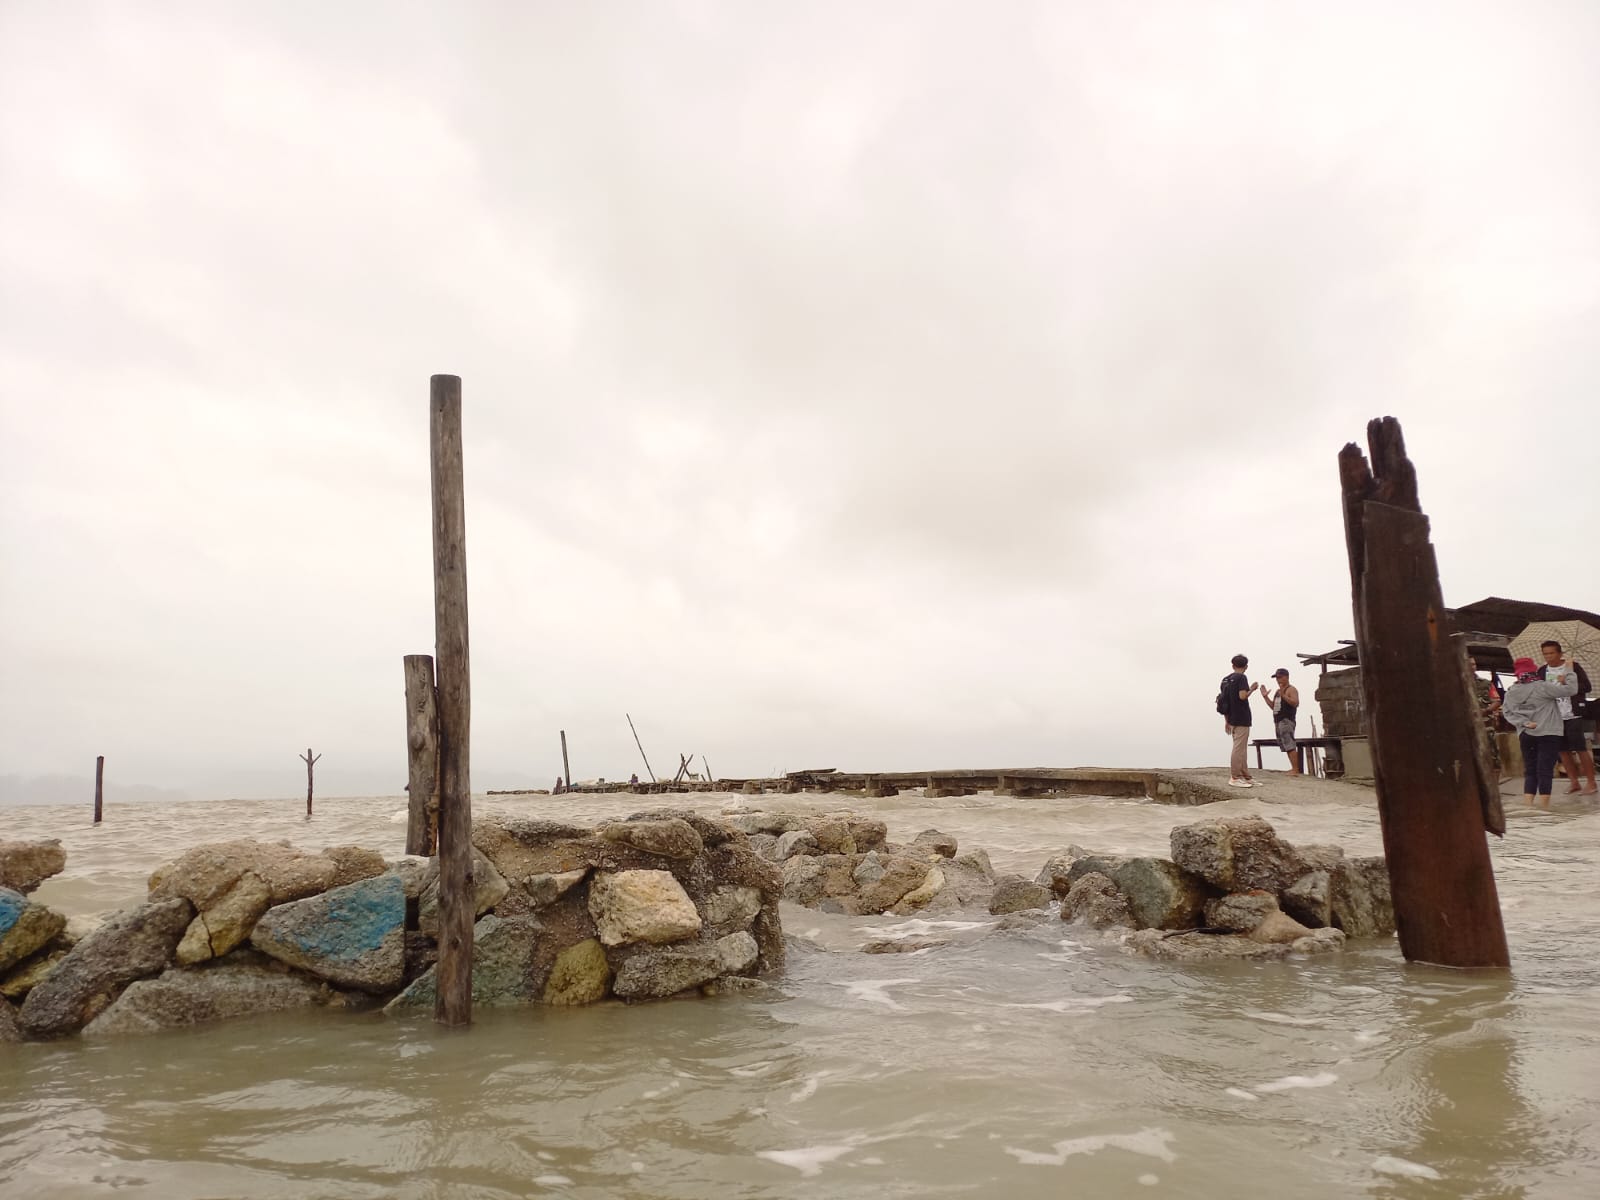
(422, 756)
(311, 761)
(640, 744)
(99, 785)
(453, 1004)
(565, 765)
(1436, 793)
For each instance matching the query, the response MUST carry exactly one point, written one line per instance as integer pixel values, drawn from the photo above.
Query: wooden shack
(1487, 628)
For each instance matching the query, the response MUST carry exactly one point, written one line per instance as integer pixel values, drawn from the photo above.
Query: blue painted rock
(24, 926)
(353, 936)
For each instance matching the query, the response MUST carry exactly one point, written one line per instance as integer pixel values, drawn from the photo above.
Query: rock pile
(659, 904)
(1232, 888)
(843, 862)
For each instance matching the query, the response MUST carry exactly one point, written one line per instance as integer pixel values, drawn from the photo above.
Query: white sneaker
(1240, 783)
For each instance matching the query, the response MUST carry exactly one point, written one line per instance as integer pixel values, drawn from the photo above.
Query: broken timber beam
(1436, 793)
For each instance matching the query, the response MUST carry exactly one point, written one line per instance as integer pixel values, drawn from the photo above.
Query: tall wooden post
(453, 1005)
(1436, 793)
(99, 785)
(565, 765)
(422, 756)
(310, 760)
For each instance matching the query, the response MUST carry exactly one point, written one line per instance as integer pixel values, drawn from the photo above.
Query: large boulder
(641, 906)
(1359, 900)
(204, 874)
(1013, 893)
(967, 882)
(489, 887)
(195, 995)
(832, 835)
(581, 974)
(730, 908)
(545, 889)
(353, 936)
(25, 865)
(1089, 864)
(1307, 899)
(1095, 901)
(795, 842)
(1056, 874)
(227, 922)
(25, 926)
(770, 823)
(655, 973)
(1237, 854)
(900, 876)
(10, 1025)
(31, 972)
(1189, 946)
(502, 959)
(925, 893)
(130, 945)
(1240, 912)
(672, 837)
(933, 844)
(524, 846)
(1279, 927)
(1160, 894)
(354, 863)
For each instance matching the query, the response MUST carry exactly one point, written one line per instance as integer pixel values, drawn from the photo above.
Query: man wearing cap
(1285, 706)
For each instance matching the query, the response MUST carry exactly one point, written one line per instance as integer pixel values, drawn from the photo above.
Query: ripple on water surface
(1034, 1061)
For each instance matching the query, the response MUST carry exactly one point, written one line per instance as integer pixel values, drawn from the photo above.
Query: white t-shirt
(1551, 674)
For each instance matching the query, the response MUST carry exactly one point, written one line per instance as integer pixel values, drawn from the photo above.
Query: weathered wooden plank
(1435, 791)
(452, 660)
(422, 756)
(565, 765)
(99, 786)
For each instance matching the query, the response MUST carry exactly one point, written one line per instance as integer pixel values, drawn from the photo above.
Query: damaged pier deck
(1168, 787)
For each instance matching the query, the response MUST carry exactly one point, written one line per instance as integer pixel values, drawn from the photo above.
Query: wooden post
(422, 756)
(710, 778)
(311, 761)
(457, 888)
(640, 744)
(1436, 795)
(99, 785)
(565, 765)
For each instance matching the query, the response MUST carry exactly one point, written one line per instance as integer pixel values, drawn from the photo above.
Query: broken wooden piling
(311, 761)
(453, 1003)
(99, 785)
(422, 756)
(1436, 791)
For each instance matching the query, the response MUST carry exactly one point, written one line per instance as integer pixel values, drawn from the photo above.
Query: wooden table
(1307, 763)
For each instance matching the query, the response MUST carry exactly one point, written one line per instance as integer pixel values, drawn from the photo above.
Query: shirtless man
(1285, 704)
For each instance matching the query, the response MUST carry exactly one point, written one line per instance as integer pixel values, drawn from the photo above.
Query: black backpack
(1224, 701)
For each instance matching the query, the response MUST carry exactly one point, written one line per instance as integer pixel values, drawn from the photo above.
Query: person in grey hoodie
(1532, 705)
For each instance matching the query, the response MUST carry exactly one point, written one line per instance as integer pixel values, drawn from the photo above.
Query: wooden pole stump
(422, 756)
(311, 761)
(457, 888)
(1436, 792)
(99, 786)
(565, 765)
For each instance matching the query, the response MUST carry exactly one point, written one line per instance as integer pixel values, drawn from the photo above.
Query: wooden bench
(1307, 762)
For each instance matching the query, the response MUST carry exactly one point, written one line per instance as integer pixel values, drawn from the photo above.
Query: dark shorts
(1285, 730)
(1572, 734)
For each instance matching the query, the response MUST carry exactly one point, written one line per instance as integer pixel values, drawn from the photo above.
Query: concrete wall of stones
(665, 903)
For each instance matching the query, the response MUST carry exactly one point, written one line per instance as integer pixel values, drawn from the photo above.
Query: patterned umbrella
(1580, 642)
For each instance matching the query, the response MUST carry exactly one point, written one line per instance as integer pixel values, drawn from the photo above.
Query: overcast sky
(888, 385)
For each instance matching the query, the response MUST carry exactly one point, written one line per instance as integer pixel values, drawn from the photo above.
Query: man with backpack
(1233, 704)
